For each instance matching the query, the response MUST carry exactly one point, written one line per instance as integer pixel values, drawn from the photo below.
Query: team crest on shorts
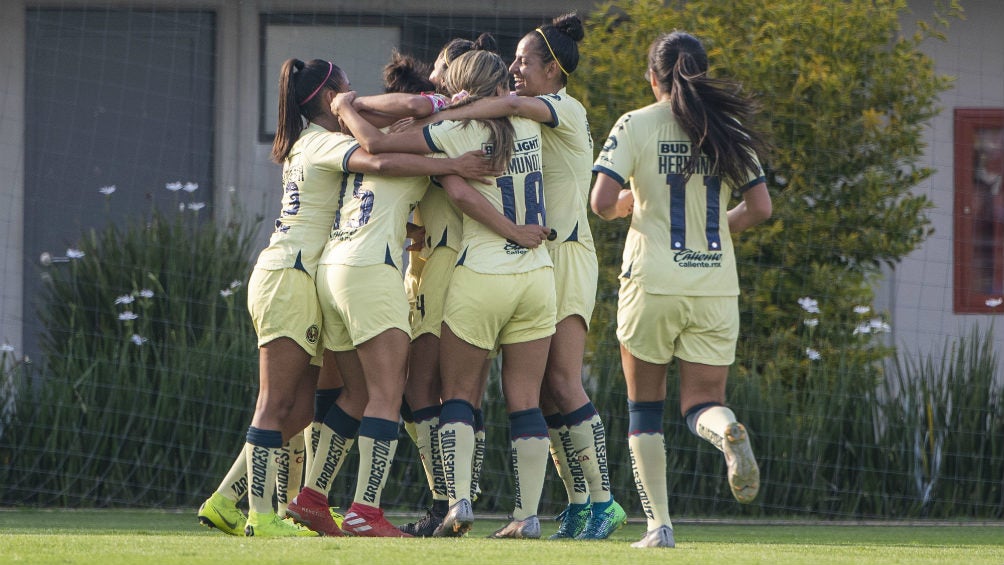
(312, 333)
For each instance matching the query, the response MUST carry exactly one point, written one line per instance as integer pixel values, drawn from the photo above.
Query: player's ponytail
(300, 86)
(558, 42)
(480, 74)
(713, 112)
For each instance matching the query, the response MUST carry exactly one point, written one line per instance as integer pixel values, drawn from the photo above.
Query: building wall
(918, 292)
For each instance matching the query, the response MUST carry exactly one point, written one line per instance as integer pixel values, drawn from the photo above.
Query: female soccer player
(501, 292)
(282, 299)
(545, 59)
(683, 155)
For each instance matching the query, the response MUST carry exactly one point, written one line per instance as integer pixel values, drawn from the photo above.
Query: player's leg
(460, 364)
(522, 373)
(646, 388)
(384, 360)
(706, 350)
(336, 433)
(422, 392)
(282, 365)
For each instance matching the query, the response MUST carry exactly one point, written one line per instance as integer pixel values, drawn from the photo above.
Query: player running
(683, 155)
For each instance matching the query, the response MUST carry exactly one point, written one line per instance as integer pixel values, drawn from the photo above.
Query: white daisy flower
(125, 299)
(236, 284)
(809, 305)
(74, 253)
(863, 328)
(196, 206)
(107, 190)
(811, 322)
(173, 186)
(146, 293)
(861, 309)
(138, 339)
(190, 187)
(127, 315)
(812, 354)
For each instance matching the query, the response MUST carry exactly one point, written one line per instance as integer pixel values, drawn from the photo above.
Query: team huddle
(493, 189)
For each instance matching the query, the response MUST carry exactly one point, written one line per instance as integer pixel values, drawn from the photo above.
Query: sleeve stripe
(609, 173)
(348, 155)
(752, 183)
(554, 114)
(430, 141)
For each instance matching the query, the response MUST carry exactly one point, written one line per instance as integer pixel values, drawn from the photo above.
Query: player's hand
(473, 165)
(342, 100)
(625, 203)
(530, 236)
(401, 125)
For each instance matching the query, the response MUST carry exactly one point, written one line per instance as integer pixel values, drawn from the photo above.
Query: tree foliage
(845, 95)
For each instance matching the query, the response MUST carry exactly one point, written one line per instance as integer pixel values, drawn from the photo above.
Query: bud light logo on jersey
(675, 157)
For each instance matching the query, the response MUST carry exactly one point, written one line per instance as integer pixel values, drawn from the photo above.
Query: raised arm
(474, 204)
(396, 104)
(472, 165)
(372, 139)
(499, 107)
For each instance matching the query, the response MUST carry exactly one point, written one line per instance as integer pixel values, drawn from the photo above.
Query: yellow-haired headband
(548, 44)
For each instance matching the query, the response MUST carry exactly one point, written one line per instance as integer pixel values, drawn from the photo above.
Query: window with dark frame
(979, 210)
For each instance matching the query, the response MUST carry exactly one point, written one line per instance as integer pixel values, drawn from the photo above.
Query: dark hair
(480, 73)
(558, 41)
(713, 112)
(300, 85)
(405, 73)
(458, 46)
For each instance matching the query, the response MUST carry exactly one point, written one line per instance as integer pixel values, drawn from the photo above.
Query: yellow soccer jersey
(370, 226)
(443, 222)
(568, 160)
(311, 176)
(679, 241)
(518, 194)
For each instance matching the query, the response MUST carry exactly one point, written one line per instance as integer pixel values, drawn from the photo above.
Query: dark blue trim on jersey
(527, 424)
(298, 264)
(609, 173)
(348, 154)
(645, 417)
(442, 241)
(627, 274)
(460, 261)
(678, 215)
(388, 258)
(378, 428)
(428, 139)
(713, 196)
(574, 236)
(752, 183)
(554, 115)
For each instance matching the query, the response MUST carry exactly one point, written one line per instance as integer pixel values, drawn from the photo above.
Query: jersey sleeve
(616, 159)
(332, 151)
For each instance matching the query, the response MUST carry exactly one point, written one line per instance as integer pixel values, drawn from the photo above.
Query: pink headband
(318, 89)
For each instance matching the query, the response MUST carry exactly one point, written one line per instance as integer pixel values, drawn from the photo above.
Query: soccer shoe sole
(744, 473)
(458, 521)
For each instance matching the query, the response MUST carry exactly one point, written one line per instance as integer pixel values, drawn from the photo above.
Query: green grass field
(111, 537)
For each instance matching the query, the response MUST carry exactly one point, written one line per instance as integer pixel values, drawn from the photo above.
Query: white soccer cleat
(659, 537)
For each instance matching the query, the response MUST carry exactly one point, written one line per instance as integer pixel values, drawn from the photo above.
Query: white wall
(918, 293)
(11, 173)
